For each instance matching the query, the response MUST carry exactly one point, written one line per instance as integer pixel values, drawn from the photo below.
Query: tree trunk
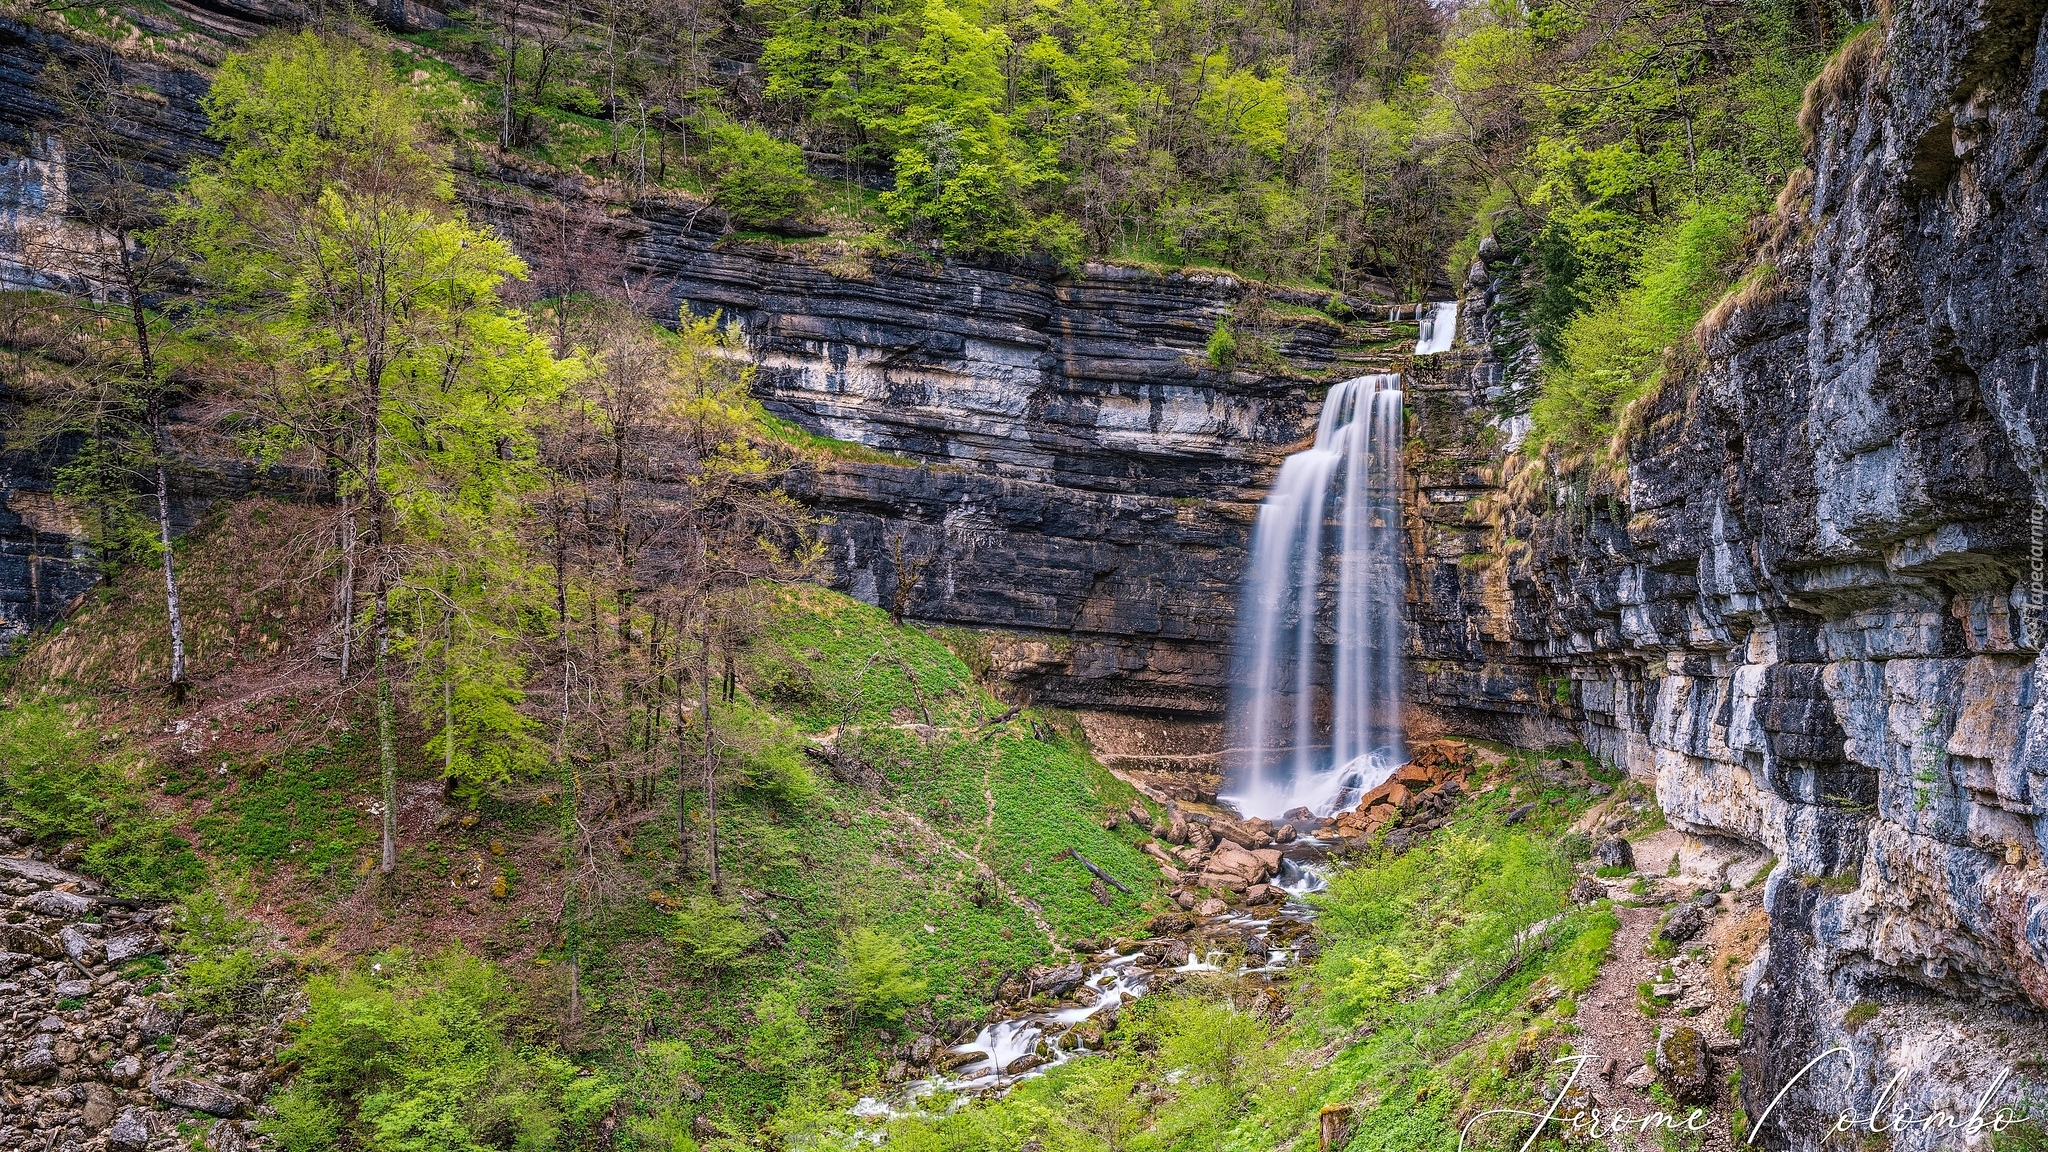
(345, 592)
(159, 446)
(710, 767)
(386, 747)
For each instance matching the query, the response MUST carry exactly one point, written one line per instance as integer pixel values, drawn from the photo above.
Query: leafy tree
(754, 176)
(348, 275)
(116, 392)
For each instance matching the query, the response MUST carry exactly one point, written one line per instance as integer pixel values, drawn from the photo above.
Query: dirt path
(1706, 971)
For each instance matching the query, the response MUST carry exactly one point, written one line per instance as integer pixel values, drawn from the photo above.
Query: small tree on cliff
(117, 393)
(349, 275)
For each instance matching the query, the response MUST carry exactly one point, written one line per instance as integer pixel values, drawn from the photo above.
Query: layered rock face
(1047, 456)
(1811, 607)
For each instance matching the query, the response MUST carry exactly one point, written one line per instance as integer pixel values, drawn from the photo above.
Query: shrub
(221, 969)
(413, 1054)
(782, 1043)
(54, 785)
(754, 176)
(877, 977)
(1614, 353)
(711, 933)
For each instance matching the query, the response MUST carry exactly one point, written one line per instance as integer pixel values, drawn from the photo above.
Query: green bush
(755, 177)
(711, 933)
(55, 785)
(414, 1054)
(878, 980)
(782, 1043)
(1614, 353)
(220, 967)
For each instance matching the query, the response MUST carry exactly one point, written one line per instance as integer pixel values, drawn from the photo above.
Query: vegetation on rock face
(592, 822)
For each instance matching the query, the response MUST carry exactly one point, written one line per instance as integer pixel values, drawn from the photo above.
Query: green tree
(349, 277)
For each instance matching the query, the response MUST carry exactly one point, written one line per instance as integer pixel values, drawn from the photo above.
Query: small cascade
(1439, 328)
(1315, 715)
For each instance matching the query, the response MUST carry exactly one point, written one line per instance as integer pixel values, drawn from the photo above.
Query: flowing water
(1315, 716)
(1439, 328)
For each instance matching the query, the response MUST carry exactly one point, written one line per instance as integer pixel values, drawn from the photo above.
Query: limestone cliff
(1810, 605)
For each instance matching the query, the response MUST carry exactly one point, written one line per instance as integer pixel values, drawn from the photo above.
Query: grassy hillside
(948, 850)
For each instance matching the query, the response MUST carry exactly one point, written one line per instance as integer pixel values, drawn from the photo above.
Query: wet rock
(1683, 1065)
(1211, 907)
(1614, 852)
(896, 1073)
(1057, 981)
(1024, 1063)
(1262, 894)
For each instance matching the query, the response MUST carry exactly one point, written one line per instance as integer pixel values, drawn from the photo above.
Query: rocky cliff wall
(1044, 455)
(1809, 607)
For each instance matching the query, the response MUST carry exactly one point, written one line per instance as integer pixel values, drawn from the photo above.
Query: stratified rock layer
(1810, 604)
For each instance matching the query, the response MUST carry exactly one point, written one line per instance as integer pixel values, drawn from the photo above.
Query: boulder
(226, 1136)
(1261, 894)
(58, 905)
(1209, 907)
(32, 1064)
(198, 1095)
(1392, 793)
(1688, 921)
(130, 1132)
(22, 938)
(1057, 981)
(1683, 1065)
(124, 948)
(1614, 852)
(1237, 868)
(1586, 890)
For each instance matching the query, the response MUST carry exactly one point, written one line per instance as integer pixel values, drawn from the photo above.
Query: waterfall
(1439, 328)
(1305, 639)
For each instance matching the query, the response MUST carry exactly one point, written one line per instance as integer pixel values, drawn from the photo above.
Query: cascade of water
(1301, 642)
(1439, 328)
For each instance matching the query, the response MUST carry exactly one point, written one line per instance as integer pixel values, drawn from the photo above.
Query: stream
(1254, 943)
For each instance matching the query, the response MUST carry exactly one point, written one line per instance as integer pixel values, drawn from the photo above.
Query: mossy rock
(1683, 1065)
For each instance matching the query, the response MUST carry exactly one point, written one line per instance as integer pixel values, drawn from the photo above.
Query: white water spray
(1316, 706)
(1439, 328)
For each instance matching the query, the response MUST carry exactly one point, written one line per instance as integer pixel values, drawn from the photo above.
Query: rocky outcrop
(1045, 455)
(94, 1051)
(1810, 604)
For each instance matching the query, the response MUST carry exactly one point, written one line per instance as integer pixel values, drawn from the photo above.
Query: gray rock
(1059, 981)
(124, 948)
(127, 1071)
(12, 962)
(198, 1095)
(32, 1064)
(48, 875)
(1614, 852)
(58, 905)
(74, 989)
(130, 1132)
(77, 945)
(1685, 922)
(1586, 889)
(226, 1136)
